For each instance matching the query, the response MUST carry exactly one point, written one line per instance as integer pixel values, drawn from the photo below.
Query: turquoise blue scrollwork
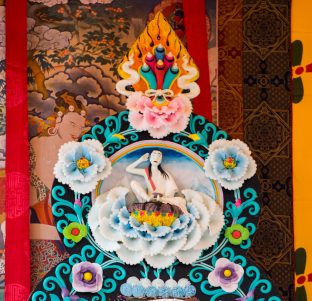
(113, 135)
(201, 133)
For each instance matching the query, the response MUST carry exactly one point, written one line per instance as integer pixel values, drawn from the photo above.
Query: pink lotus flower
(158, 119)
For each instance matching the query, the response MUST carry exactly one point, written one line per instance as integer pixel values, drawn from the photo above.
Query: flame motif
(158, 61)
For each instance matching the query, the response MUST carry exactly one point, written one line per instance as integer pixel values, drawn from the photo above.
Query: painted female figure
(160, 184)
(70, 121)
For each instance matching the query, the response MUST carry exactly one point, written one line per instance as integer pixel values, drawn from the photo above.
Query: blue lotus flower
(229, 163)
(81, 165)
(115, 229)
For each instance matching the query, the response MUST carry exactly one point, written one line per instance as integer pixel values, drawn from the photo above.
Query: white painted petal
(117, 193)
(160, 231)
(96, 144)
(207, 241)
(217, 144)
(251, 169)
(193, 210)
(231, 185)
(145, 282)
(93, 219)
(184, 282)
(124, 215)
(176, 224)
(204, 215)
(106, 245)
(216, 221)
(209, 170)
(193, 238)
(133, 244)
(133, 280)
(221, 262)
(189, 256)
(106, 171)
(210, 203)
(108, 232)
(114, 221)
(136, 224)
(101, 199)
(67, 147)
(213, 279)
(191, 195)
(158, 283)
(128, 231)
(58, 172)
(239, 270)
(105, 210)
(171, 283)
(173, 246)
(130, 257)
(153, 247)
(230, 287)
(241, 145)
(184, 221)
(83, 187)
(160, 261)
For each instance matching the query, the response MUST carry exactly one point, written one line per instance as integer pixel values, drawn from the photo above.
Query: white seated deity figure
(160, 183)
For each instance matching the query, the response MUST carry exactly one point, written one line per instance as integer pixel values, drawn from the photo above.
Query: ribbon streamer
(197, 45)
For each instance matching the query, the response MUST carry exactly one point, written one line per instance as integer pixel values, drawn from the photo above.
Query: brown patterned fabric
(46, 254)
(267, 130)
(230, 85)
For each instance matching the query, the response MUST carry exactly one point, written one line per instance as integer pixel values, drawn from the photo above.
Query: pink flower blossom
(158, 120)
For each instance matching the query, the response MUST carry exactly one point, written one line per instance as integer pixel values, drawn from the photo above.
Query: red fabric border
(197, 44)
(17, 251)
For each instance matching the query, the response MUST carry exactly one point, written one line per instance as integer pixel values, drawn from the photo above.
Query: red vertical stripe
(197, 44)
(17, 255)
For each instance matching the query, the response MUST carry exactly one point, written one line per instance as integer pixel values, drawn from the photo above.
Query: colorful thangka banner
(72, 62)
(302, 137)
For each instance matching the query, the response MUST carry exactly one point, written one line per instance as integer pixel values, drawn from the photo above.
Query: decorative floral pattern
(230, 163)
(75, 232)
(87, 277)
(226, 274)
(68, 208)
(114, 229)
(236, 234)
(81, 165)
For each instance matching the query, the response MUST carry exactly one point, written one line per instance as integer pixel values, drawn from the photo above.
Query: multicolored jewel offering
(229, 163)
(83, 163)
